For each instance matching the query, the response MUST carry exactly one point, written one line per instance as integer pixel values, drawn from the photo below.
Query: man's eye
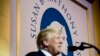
(58, 37)
(63, 38)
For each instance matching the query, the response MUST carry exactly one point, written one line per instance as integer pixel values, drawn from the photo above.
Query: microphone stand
(82, 47)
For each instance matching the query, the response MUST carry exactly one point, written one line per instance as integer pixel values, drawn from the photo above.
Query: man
(49, 43)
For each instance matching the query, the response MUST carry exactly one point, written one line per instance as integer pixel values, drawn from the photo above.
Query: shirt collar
(46, 52)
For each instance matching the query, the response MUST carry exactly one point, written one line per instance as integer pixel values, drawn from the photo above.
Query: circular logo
(53, 15)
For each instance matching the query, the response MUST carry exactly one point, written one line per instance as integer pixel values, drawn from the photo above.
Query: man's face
(55, 43)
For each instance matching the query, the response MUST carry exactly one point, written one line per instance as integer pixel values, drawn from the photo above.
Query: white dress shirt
(46, 52)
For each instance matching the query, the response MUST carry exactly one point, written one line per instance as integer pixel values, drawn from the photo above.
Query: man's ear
(45, 42)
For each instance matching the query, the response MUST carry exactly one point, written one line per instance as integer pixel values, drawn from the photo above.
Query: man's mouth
(60, 46)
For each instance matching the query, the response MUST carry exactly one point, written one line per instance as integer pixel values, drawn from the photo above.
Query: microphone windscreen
(72, 48)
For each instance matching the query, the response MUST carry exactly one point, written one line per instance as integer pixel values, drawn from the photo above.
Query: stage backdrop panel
(72, 18)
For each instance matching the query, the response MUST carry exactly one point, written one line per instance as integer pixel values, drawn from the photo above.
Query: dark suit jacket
(38, 53)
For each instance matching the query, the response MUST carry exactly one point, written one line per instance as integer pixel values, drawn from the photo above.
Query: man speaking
(49, 43)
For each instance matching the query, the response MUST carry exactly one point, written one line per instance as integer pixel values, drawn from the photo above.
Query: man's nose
(61, 41)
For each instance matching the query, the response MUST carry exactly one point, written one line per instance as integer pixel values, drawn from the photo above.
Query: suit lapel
(39, 53)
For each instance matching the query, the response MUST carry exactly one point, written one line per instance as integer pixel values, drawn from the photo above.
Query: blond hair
(44, 35)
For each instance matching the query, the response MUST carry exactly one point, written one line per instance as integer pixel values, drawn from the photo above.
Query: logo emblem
(52, 15)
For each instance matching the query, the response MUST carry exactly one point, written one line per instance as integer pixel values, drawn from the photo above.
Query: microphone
(72, 48)
(82, 47)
